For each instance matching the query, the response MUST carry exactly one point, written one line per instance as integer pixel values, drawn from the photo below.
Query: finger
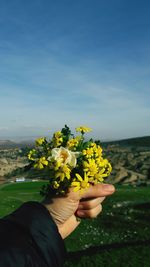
(99, 190)
(91, 213)
(90, 203)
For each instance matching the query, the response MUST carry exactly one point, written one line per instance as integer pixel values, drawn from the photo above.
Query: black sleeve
(29, 237)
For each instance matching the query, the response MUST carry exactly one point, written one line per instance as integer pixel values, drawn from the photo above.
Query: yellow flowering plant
(69, 161)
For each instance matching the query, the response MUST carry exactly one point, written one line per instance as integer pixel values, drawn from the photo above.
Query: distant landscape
(130, 159)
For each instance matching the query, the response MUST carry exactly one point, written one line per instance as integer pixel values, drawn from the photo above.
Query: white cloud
(43, 92)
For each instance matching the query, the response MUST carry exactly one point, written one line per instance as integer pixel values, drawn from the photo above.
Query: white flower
(65, 156)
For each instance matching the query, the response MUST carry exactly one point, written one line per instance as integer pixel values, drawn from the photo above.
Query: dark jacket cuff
(35, 218)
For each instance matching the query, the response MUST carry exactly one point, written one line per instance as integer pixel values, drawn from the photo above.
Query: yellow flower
(80, 183)
(88, 152)
(99, 161)
(70, 160)
(105, 169)
(56, 185)
(98, 151)
(63, 172)
(40, 141)
(93, 145)
(83, 129)
(90, 167)
(57, 138)
(41, 163)
(60, 175)
(72, 143)
(32, 154)
(100, 175)
(58, 134)
(66, 171)
(109, 168)
(57, 165)
(102, 162)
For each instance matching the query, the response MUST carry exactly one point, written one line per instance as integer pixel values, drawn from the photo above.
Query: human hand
(64, 209)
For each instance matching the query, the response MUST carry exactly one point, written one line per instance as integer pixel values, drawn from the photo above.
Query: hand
(85, 205)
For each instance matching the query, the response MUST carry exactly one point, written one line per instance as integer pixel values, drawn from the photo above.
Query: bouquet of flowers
(69, 161)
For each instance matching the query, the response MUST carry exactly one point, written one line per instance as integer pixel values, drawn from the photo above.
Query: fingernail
(109, 187)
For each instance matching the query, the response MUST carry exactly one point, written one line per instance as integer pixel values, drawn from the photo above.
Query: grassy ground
(13, 195)
(120, 236)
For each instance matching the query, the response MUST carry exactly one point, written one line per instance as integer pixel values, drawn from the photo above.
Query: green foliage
(66, 134)
(98, 142)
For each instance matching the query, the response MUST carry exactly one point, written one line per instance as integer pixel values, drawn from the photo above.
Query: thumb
(68, 226)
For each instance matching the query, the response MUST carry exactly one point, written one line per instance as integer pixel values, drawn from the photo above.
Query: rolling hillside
(130, 159)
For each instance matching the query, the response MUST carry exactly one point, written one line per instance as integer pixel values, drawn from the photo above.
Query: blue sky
(83, 62)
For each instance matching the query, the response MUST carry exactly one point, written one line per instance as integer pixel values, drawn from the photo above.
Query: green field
(120, 236)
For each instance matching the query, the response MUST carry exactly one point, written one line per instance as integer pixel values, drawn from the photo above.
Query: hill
(8, 144)
(5, 144)
(130, 159)
(143, 141)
